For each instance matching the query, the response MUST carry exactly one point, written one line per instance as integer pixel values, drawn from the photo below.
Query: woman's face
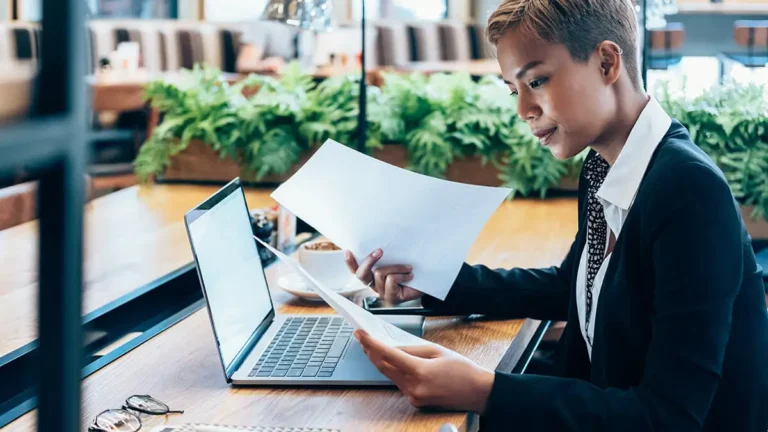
(567, 104)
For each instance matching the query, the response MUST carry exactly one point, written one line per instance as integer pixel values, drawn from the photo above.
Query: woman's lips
(545, 135)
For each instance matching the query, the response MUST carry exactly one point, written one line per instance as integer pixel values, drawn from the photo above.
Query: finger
(402, 361)
(379, 282)
(400, 268)
(396, 376)
(351, 261)
(393, 286)
(407, 293)
(364, 270)
(428, 351)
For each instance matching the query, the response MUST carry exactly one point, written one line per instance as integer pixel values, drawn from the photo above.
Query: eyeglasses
(127, 419)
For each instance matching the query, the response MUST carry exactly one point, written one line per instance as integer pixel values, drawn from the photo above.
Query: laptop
(256, 345)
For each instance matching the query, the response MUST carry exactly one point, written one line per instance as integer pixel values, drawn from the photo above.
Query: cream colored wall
(460, 10)
(190, 9)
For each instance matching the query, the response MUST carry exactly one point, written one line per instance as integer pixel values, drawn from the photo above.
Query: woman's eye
(513, 93)
(538, 82)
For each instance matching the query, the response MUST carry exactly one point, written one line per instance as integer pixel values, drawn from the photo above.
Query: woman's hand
(431, 376)
(387, 281)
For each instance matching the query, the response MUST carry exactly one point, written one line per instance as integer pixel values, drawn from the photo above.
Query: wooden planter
(199, 163)
(757, 228)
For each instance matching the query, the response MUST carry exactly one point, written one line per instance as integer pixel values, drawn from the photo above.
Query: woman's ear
(610, 61)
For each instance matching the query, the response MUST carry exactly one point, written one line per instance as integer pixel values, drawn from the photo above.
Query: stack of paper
(357, 317)
(361, 204)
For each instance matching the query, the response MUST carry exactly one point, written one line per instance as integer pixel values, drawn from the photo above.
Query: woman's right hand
(387, 281)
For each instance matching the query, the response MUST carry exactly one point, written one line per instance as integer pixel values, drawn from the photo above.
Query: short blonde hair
(580, 25)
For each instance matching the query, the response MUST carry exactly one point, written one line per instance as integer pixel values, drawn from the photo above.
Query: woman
(666, 321)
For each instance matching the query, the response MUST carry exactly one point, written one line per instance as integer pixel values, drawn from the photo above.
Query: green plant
(266, 132)
(450, 116)
(730, 123)
(206, 111)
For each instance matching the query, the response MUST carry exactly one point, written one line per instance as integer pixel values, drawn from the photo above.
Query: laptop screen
(230, 269)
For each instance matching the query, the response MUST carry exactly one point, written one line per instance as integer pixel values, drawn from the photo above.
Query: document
(361, 204)
(357, 317)
(222, 428)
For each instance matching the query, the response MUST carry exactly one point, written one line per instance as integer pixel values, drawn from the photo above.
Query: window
(29, 10)
(233, 10)
(432, 10)
(132, 8)
(406, 10)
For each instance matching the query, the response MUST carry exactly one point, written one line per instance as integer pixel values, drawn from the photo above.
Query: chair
(230, 47)
(190, 44)
(455, 40)
(424, 39)
(665, 44)
(392, 43)
(26, 43)
(752, 35)
(479, 45)
(18, 203)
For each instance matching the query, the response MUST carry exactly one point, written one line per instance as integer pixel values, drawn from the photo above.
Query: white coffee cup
(326, 266)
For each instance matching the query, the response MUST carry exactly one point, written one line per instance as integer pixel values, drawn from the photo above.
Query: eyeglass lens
(147, 404)
(118, 421)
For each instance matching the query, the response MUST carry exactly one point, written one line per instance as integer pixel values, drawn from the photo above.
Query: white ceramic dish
(296, 286)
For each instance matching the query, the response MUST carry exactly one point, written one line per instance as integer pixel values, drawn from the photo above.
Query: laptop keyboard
(304, 347)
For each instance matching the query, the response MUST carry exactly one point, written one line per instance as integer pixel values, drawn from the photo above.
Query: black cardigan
(681, 330)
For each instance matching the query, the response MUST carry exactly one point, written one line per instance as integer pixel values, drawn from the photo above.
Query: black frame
(52, 141)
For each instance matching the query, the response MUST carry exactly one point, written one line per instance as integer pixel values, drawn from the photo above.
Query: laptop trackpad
(410, 323)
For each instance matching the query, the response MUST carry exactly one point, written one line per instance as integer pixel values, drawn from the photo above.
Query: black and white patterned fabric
(595, 170)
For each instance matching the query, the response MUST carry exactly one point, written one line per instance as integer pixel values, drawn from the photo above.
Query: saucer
(296, 286)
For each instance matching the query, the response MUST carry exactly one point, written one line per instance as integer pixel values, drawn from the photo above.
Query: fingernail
(377, 253)
(357, 335)
(347, 255)
(409, 267)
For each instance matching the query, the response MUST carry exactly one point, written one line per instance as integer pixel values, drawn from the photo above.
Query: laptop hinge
(242, 355)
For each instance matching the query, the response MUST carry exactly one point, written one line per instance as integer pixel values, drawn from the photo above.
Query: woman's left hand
(430, 375)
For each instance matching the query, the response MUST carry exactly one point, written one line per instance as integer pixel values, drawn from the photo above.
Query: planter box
(757, 228)
(199, 163)
(468, 170)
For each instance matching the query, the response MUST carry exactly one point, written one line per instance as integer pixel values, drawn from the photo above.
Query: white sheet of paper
(358, 317)
(362, 204)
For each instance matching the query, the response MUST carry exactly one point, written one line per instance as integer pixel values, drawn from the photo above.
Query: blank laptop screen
(231, 272)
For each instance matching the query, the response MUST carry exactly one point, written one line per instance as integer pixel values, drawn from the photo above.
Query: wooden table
(117, 91)
(137, 235)
(132, 237)
(473, 67)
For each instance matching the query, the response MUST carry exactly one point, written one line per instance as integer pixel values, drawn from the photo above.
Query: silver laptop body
(256, 346)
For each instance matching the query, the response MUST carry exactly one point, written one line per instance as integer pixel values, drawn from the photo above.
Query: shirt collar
(623, 180)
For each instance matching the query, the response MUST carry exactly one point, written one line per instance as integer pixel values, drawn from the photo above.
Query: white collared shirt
(617, 195)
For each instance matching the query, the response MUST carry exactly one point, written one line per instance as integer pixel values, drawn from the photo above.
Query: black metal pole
(60, 198)
(362, 122)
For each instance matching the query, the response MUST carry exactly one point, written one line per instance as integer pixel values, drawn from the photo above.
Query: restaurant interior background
(695, 46)
(170, 100)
